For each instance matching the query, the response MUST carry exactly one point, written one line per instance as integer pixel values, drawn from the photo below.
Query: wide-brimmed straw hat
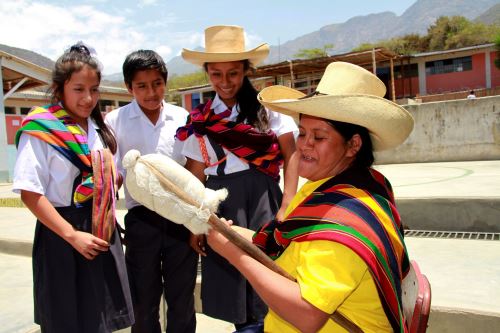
(224, 43)
(350, 94)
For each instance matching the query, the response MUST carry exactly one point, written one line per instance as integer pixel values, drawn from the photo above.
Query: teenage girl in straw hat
(237, 145)
(341, 238)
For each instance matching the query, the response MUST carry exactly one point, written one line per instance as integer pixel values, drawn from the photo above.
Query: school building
(430, 76)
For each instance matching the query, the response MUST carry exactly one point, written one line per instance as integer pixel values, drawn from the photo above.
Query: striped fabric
(356, 209)
(260, 150)
(104, 194)
(52, 124)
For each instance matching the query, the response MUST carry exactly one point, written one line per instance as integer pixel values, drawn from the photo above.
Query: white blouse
(278, 122)
(41, 169)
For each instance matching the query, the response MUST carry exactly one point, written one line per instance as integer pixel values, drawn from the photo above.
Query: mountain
(374, 27)
(28, 55)
(491, 16)
(371, 28)
(178, 66)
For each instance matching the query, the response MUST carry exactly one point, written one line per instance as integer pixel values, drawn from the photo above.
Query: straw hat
(224, 43)
(346, 93)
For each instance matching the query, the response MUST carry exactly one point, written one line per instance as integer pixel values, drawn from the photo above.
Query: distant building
(24, 85)
(429, 76)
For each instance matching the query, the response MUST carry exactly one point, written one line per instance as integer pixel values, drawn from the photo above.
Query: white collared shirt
(279, 123)
(42, 169)
(133, 130)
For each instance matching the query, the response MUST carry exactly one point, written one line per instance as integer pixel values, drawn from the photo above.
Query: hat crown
(342, 78)
(224, 39)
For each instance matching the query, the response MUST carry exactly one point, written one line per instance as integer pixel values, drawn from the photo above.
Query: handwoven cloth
(53, 125)
(104, 194)
(259, 150)
(355, 208)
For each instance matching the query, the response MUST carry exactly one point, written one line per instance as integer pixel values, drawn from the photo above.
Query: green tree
(175, 82)
(314, 53)
(456, 32)
(446, 33)
(406, 45)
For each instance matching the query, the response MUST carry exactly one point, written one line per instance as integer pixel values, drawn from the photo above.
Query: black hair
(251, 110)
(141, 60)
(72, 61)
(364, 157)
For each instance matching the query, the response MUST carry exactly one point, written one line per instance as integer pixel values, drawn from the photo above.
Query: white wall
(459, 130)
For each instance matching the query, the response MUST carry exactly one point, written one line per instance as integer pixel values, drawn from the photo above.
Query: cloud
(144, 3)
(50, 29)
(164, 51)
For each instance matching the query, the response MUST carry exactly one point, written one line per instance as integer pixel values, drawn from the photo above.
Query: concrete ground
(464, 273)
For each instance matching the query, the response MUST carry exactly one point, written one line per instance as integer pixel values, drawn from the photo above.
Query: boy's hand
(198, 242)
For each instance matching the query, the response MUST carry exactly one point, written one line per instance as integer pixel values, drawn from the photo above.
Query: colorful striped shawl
(356, 209)
(260, 150)
(53, 125)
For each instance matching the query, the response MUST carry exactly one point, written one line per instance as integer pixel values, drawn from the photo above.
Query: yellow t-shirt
(331, 277)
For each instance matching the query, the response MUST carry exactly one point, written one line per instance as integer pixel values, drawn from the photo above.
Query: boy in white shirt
(159, 258)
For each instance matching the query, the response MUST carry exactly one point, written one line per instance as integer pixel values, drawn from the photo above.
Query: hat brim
(255, 56)
(388, 123)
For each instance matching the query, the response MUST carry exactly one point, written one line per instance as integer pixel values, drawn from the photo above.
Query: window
(10, 110)
(448, 65)
(407, 71)
(25, 110)
(208, 95)
(106, 105)
(122, 103)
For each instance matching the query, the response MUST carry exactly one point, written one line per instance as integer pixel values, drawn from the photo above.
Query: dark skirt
(254, 199)
(73, 294)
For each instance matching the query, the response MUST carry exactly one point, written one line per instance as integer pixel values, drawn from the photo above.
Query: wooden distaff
(240, 241)
(220, 226)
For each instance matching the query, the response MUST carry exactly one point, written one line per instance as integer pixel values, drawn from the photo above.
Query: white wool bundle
(145, 188)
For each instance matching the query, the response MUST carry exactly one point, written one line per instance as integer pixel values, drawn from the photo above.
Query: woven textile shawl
(260, 150)
(53, 125)
(356, 209)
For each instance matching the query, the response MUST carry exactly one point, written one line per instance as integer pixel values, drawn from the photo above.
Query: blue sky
(114, 28)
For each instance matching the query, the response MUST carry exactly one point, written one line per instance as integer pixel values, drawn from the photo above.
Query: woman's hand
(87, 244)
(197, 242)
(280, 215)
(216, 240)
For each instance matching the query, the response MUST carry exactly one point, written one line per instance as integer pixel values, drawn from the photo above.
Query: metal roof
(468, 48)
(19, 71)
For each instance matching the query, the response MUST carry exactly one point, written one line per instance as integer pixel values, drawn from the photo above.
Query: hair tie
(81, 47)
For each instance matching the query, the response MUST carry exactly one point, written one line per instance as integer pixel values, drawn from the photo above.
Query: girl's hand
(198, 242)
(87, 244)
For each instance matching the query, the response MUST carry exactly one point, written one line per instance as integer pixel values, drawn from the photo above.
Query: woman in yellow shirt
(342, 237)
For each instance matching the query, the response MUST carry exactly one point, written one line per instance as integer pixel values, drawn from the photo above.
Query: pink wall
(448, 82)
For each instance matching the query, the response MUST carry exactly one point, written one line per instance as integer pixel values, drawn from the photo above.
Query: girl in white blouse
(232, 142)
(79, 275)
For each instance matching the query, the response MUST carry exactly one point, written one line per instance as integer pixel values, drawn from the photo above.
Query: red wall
(400, 92)
(448, 82)
(495, 72)
(12, 127)
(187, 102)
